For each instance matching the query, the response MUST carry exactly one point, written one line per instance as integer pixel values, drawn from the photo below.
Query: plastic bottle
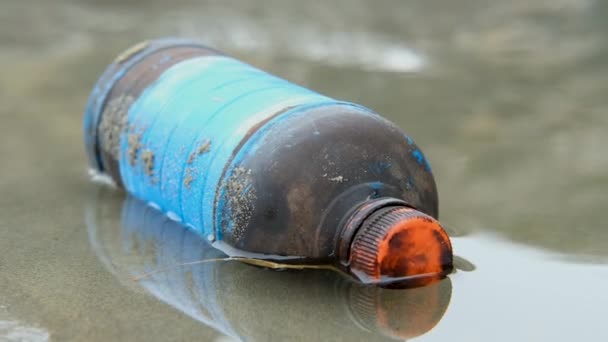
(262, 167)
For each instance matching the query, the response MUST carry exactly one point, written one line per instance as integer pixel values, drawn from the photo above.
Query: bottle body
(249, 161)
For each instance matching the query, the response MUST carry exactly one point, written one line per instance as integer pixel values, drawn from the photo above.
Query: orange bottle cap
(400, 243)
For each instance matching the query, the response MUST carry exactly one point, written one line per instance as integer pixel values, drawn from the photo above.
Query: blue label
(184, 128)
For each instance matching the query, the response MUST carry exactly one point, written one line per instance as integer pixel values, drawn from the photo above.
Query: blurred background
(506, 98)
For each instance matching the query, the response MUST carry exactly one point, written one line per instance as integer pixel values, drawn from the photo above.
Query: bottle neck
(353, 221)
(387, 242)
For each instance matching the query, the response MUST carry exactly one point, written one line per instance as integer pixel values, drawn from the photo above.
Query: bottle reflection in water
(135, 241)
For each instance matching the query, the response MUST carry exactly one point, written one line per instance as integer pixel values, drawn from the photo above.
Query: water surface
(507, 99)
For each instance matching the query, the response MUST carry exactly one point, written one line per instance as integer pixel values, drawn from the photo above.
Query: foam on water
(17, 331)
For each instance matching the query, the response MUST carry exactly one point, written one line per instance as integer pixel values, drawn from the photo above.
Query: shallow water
(507, 100)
